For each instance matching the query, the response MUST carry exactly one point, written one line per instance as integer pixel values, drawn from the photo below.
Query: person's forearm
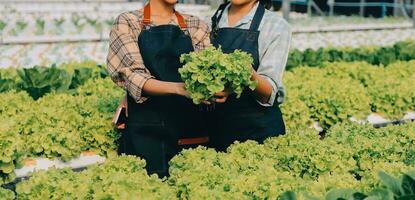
(154, 87)
(263, 90)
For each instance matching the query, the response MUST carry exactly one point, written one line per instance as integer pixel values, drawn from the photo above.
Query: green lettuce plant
(6, 194)
(330, 99)
(40, 26)
(210, 71)
(21, 25)
(109, 22)
(391, 189)
(12, 151)
(121, 177)
(79, 22)
(58, 22)
(405, 50)
(57, 125)
(95, 23)
(301, 162)
(38, 81)
(376, 55)
(3, 25)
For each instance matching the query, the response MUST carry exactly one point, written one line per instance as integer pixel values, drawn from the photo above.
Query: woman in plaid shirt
(145, 46)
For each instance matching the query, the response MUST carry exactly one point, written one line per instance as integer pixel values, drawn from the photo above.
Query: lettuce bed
(349, 157)
(61, 124)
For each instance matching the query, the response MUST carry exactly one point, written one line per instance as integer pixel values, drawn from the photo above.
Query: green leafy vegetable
(40, 26)
(403, 51)
(6, 194)
(3, 25)
(57, 125)
(121, 177)
(38, 81)
(210, 71)
(343, 164)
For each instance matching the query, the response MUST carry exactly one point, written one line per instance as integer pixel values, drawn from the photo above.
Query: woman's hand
(221, 97)
(180, 90)
(254, 76)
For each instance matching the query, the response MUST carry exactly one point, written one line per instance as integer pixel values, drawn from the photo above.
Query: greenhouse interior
(207, 99)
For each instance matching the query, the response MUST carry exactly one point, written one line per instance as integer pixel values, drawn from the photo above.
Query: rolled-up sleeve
(124, 62)
(275, 49)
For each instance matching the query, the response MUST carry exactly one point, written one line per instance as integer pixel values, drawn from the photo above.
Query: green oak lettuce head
(6, 194)
(210, 71)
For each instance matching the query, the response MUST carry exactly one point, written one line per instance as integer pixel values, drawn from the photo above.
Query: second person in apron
(248, 26)
(145, 47)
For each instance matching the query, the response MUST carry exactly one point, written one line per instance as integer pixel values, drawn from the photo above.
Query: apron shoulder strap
(259, 14)
(180, 20)
(215, 18)
(147, 15)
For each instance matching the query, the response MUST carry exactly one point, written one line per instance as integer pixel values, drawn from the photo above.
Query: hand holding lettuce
(210, 71)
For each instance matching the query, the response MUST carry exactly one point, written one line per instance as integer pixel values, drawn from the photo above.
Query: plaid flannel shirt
(124, 62)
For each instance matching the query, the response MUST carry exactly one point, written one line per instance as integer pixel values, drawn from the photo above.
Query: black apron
(153, 128)
(244, 118)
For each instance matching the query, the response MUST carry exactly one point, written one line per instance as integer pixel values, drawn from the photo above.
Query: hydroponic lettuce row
(63, 122)
(404, 51)
(392, 188)
(57, 125)
(11, 143)
(122, 177)
(300, 161)
(210, 71)
(38, 81)
(349, 157)
(61, 125)
(335, 92)
(376, 55)
(327, 103)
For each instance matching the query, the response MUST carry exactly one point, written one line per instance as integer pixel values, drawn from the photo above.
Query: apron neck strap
(180, 20)
(215, 18)
(147, 15)
(259, 14)
(256, 21)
